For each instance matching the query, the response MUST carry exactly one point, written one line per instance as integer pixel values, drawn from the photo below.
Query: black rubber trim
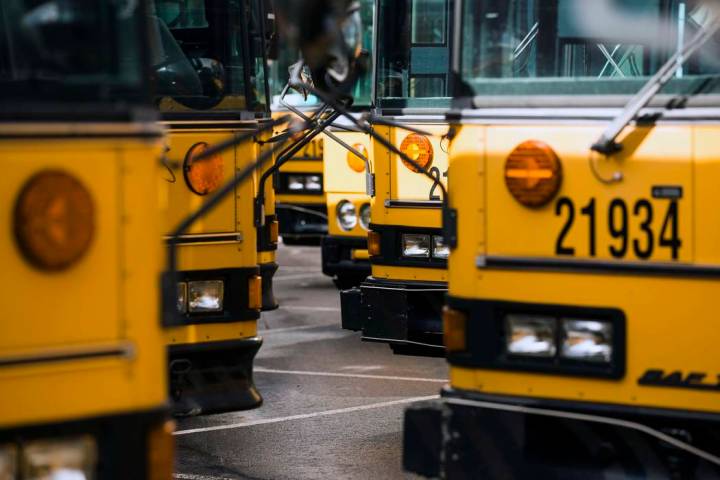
(336, 255)
(267, 272)
(299, 223)
(235, 295)
(210, 238)
(486, 338)
(391, 247)
(122, 439)
(194, 117)
(434, 204)
(592, 408)
(593, 266)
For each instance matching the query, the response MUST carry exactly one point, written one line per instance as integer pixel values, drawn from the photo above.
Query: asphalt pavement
(333, 405)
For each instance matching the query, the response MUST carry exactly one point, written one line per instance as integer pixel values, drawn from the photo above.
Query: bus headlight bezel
(416, 245)
(78, 454)
(586, 340)
(304, 183)
(346, 213)
(531, 335)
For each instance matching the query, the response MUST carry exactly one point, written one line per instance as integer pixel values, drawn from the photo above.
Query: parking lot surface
(333, 404)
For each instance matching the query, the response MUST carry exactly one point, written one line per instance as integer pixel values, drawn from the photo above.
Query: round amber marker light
(355, 162)
(54, 220)
(533, 173)
(418, 148)
(206, 175)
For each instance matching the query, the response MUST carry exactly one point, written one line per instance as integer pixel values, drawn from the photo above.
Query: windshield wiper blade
(607, 144)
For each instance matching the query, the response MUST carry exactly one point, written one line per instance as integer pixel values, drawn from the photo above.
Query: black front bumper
(213, 377)
(300, 222)
(267, 272)
(337, 256)
(400, 313)
(472, 435)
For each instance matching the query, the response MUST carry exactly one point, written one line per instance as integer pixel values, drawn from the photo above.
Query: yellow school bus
(82, 359)
(580, 323)
(208, 65)
(299, 184)
(401, 302)
(348, 181)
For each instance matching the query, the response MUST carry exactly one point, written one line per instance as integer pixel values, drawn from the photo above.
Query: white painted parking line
(299, 276)
(310, 309)
(350, 375)
(190, 476)
(325, 413)
(265, 331)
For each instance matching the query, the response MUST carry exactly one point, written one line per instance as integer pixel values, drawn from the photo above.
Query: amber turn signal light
(419, 149)
(454, 330)
(161, 451)
(373, 240)
(206, 175)
(274, 231)
(54, 220)
(354, 162)
(255, 292)
(533, 173)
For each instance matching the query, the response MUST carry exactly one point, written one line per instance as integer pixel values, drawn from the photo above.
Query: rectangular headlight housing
(303, 182)
(440, 250)
(587, 340)
(73, 457)
(530, 335)
(313, 183)
(205, 296)
(182, 297)
(8, 462)
(296, 183)
(415, 245)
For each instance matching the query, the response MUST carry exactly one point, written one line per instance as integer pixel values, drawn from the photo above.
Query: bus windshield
(208, 55)
(413, 49)
(280, 69)
(583, 47)
(70, 50)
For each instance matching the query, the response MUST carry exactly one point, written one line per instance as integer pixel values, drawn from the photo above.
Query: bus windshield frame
(575, 64)
(208, 57)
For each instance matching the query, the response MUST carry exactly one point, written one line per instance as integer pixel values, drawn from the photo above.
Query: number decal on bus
(619, 218)
(435, 172)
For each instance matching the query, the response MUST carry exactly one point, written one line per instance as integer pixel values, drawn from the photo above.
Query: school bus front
(206, 96)
(581, 287)
(82, 363)
(401, 302)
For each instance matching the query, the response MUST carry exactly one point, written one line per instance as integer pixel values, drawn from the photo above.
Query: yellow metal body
(669, 314)
(107, 302)
(395, 182)
(234, 215)
(344, 183)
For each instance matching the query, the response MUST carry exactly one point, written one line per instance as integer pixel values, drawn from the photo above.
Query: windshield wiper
(607, 144)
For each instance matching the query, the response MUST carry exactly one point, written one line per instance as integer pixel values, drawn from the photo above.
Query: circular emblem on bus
(533, 173)
(54, 220)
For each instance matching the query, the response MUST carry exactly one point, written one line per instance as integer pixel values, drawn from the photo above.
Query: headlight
(588, 340)
(346, 215)
(304, 183)
(205, 296)
(313, 183)
(440, 250)
(182, 297)
(70, 458)
(8, 462)
(365, 216)
(530, 335)
(416, 245)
